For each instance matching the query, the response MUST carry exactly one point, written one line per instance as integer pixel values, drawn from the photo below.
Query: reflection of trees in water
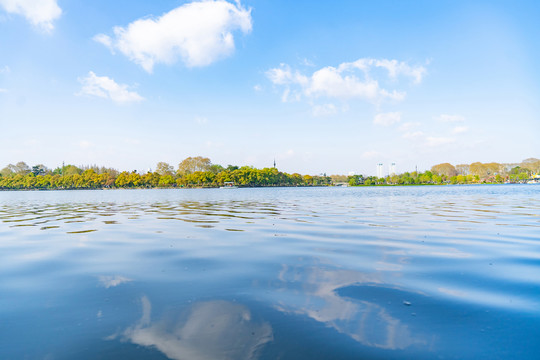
(210, 330)
(367, 318)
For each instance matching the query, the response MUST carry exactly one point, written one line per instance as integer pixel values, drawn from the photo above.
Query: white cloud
(396, 68)
(257, 87)
(105, 40)
(199, 33)
(460, 129)
(3, 90)
(438, 141)
(307, 62)
(449, 118)
(105, 87)
(284, 75)
(387, 119)
(330, 82)
(41, 13)
(324, 110)
(349, 80)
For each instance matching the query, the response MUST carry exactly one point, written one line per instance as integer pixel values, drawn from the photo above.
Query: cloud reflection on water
(108, 281)
(365, 313)
(209, 330)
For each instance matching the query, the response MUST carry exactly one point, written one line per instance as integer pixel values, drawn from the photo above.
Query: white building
(380, 173)
(392, 169)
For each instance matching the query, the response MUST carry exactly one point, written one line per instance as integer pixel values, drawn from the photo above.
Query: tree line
(191, 172)
(200, 172)
(445, 173)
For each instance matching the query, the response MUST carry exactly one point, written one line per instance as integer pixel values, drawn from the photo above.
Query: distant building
(392, 169)
(380, 173)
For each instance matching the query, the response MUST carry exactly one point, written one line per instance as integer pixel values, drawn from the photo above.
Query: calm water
(332, 273)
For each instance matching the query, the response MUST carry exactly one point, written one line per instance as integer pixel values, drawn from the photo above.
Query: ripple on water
(393, 272)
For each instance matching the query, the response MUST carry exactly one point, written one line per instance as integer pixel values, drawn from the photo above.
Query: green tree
(67, 170)
(437, 179)
(216, 169)
(39, 169)
(166, 181)
(426, 177)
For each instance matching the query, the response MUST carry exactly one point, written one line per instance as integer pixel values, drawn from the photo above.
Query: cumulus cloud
(198, 33)
(449, 118)
(387, 119)
(349, 80)
(331, 82)
(107, 88)
(40, 13)
(283, 75)
(394, 68)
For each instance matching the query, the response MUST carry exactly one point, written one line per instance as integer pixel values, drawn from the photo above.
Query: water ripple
(381, 272)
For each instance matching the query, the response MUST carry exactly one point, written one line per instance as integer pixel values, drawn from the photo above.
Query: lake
(418, 272)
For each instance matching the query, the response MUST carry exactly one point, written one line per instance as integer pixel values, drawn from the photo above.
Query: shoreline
(254, 187)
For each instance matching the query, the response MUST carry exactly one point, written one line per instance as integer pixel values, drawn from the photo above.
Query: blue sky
(322, 87)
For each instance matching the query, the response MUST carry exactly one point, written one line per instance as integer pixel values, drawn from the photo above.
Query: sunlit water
(449, 272)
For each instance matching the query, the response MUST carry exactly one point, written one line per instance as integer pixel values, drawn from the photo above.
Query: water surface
(449, 272)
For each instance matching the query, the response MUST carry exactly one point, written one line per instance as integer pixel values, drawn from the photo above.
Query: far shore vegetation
(199, 172)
